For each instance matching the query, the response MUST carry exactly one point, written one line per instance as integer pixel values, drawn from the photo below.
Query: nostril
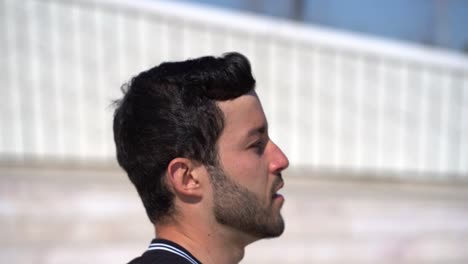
(279, 164)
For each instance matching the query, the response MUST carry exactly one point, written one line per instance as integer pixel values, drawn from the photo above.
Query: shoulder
(162, 251)
(159, 257)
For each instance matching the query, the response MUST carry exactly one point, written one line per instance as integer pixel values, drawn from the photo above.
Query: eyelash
(259, 146)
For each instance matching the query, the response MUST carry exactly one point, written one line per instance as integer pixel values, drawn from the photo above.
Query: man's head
(205, 111)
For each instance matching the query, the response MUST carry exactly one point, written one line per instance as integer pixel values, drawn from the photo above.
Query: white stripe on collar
(169, 248)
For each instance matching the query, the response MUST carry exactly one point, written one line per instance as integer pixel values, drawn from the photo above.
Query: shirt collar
(166, 245)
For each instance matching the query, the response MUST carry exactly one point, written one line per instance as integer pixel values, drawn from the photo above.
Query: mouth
(275, 190)
(277, 195)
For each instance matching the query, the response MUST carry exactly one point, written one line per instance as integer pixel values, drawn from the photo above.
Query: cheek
(248, 170)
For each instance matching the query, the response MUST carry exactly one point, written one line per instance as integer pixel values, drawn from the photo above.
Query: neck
(210, 243)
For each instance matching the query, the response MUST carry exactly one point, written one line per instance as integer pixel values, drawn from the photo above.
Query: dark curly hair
(170, 111)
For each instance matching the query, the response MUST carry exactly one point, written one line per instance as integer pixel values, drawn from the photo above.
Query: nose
(279, 161)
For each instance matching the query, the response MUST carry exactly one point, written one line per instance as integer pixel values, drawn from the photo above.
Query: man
(193, 139)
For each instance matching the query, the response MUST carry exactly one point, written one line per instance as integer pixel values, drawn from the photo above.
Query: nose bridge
(278, 161)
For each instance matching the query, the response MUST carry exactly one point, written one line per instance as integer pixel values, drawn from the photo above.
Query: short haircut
(170, 111)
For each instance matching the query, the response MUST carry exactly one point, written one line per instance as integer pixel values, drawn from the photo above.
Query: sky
(439, 23)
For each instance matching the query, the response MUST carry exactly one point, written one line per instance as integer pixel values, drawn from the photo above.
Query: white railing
(334, 100)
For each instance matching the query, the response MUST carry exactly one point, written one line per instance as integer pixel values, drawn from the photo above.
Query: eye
(258, 146)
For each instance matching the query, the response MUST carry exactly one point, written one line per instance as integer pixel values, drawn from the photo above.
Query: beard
(238, 207)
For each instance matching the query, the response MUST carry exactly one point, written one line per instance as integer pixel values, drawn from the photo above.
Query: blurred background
(369, 100)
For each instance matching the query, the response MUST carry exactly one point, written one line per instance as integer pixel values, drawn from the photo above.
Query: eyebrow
(258, 130)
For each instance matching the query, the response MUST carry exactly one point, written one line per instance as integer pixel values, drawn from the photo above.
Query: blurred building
(436, 23)
(376, 132)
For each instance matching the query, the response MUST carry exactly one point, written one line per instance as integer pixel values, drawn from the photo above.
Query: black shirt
(162, 251)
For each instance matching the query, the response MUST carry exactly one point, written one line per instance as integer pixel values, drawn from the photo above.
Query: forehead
(243, 114)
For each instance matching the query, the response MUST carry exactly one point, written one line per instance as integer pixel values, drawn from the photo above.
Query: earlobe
(180, 175)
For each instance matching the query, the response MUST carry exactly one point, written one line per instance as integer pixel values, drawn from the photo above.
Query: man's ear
(182, 176)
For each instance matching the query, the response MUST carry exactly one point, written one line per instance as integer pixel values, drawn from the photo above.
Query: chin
(275, 229)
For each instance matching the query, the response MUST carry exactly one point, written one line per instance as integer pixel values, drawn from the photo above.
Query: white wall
(334, 100)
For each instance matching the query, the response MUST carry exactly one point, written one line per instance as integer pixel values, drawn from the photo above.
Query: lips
(278, 185)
